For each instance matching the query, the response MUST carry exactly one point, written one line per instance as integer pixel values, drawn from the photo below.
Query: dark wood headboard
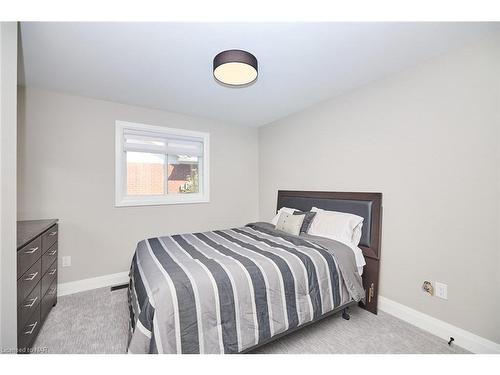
(367, 205)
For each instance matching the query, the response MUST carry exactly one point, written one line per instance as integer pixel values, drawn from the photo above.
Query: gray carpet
(97, 322)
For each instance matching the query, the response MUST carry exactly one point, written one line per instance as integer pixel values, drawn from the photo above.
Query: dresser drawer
(49, 237)
(48, 258)
(28, 281)
(28, 306)
(49, 277)
(49, 300)
(28, 255)
(28, 333)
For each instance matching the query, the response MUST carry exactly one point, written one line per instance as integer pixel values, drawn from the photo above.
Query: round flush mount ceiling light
(235, 67)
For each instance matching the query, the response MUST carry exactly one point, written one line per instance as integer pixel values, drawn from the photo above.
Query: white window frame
(124, 200)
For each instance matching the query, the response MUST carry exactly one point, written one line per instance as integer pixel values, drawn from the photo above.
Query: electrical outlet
(66, 261)
(441, 290)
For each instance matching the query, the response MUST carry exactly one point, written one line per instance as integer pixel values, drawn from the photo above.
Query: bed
(233, 290)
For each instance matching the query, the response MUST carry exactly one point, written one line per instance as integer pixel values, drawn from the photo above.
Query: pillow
(290, 223)
(356, 237)
(340, 226)
(308, 218)
(282, 209)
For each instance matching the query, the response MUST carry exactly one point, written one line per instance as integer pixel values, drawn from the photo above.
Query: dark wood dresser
(36, 277)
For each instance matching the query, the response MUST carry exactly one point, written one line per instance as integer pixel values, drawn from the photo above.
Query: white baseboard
(463, 338)
(93, 283)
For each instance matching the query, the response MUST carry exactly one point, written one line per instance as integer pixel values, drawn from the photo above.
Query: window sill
(160, 201)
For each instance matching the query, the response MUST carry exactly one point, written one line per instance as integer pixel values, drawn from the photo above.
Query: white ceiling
(169, 65)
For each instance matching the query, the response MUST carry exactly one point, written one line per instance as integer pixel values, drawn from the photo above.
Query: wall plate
(441, 290)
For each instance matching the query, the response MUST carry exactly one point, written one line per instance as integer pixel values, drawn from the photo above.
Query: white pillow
(339, 226)
(356, 237)
(282, 209)
(290, 223)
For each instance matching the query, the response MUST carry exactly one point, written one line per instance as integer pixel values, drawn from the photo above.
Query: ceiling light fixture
(235, 68)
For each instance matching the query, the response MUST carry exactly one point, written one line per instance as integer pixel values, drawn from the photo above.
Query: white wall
(428, 139)
(66, 171)
(8, 126)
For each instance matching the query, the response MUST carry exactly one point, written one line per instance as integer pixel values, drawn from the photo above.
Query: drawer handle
(33, 300)
(33, 326)
(53, 233)
(31, 276)
(31, 250)
(53, 252)
(53, 271)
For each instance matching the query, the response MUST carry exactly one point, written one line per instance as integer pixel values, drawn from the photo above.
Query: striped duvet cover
(226, 291)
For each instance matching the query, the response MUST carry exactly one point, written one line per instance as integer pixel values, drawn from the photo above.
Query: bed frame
(367, 205)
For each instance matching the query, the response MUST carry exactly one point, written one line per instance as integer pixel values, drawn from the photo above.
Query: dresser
(36, 277)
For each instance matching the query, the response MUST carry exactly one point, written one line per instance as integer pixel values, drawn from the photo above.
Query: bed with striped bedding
(226, 291)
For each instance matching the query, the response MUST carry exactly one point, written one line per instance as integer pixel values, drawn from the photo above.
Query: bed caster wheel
(345, 314)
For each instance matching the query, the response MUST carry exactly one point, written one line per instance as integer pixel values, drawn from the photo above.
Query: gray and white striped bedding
(228, 290)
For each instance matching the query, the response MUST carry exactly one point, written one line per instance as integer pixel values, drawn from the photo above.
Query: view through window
(158, 163)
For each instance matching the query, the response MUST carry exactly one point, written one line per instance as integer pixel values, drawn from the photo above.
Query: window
(157, 165)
